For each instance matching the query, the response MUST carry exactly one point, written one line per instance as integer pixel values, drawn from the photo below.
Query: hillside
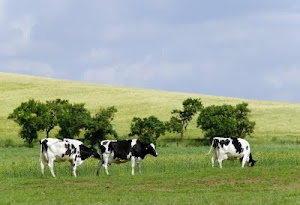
(276, 122)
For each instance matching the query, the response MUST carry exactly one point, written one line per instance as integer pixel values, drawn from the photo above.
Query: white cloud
(24, 25)
(139, 73)
(29, 68)
(96, 55)
(284, 78)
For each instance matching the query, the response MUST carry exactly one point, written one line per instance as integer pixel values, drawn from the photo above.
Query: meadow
(181, 174)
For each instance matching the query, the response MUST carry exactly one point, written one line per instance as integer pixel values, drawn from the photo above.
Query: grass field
(181, 174)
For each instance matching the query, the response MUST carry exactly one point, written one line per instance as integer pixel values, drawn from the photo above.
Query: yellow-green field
(276, 122)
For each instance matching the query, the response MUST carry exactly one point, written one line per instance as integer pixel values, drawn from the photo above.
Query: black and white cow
(113, 151)
(61, 150)
(231, 148)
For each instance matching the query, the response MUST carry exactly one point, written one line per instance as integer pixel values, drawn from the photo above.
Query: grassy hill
(276, 122)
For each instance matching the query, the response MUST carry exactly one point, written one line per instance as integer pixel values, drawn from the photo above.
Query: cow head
(251, 162)
(94, 153)
(87, 152)
(151, 150)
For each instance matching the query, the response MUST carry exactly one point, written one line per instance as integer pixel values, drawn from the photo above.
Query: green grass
(276, 122)
(179, 175)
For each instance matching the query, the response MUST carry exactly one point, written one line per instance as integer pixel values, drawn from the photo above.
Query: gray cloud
(239, 49)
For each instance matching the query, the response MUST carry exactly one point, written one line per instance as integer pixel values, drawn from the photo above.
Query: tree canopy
(226, 121)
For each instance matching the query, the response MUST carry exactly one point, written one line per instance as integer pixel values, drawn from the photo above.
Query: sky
(234, 48)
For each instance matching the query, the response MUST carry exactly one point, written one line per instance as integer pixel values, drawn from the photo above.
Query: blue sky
(247, 49)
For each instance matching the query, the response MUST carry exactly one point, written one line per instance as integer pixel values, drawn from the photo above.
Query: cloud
(284, 78)
(24, 25)
(29, 68)
(98, 55)
(141, 74)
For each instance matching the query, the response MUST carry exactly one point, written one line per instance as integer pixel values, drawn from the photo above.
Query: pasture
(179, 175)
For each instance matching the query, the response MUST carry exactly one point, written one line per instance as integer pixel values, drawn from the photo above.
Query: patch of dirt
(218, 182)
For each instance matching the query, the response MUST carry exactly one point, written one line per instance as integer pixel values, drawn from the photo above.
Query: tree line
(72, 118)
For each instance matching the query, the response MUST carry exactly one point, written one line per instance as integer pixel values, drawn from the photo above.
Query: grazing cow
(113, 151)
(231, 148)
(60, 150)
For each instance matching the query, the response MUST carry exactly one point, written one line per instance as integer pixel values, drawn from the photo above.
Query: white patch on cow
(129, 155)
(154, 148)
(133, 142)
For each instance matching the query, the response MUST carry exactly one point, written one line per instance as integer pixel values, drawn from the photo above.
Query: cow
(61, 150)
(113, 151)
(231, 148)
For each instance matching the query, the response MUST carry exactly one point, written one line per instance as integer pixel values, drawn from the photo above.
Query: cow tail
(100, 151)
(212, 144)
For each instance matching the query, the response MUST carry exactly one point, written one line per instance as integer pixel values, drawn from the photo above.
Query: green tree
(148, 129)
(71, 119)
(100, 126)
(225, 121)
(53, 109)
(30, 116)
(181, 118)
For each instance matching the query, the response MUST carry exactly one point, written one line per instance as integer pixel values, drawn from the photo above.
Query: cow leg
(99, 167)
(244, 161)
(74, 169)
(132, 165)
(105, 163)
(213, 159)
(42, 162)
(50, 165)
(139, 166)
(220, 163)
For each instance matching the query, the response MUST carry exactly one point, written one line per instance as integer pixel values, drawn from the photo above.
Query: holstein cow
(113, 151)
(61, 150)
(231, 148)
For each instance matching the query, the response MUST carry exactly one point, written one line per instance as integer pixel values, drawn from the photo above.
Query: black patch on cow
(121, 149)
(86, 152)
(247, 147)
(62, 156)
(44, 145)
(69, 151)
(237, 145)
(224, 142)
(215, 144)
(73, 149)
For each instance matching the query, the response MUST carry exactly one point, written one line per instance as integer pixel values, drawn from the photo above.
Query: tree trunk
(182, 138)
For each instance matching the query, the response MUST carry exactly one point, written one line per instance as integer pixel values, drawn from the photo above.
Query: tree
(179, 122)
(71, 119)
(226, 121)
(29, 115)
(54, 108)
(148, 129)
(100, 126)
